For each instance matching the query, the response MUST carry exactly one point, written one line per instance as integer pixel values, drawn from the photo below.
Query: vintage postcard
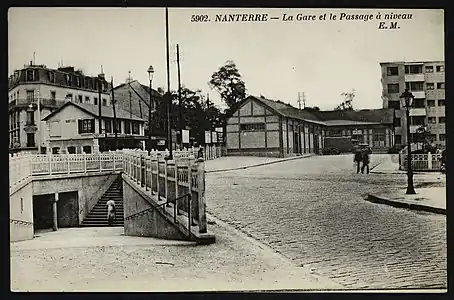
(156, 149)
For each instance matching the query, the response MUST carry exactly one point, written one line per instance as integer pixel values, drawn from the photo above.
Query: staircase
(98, 214)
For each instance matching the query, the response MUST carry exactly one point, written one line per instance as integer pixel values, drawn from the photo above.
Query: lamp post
(407, 101)
(150, 77)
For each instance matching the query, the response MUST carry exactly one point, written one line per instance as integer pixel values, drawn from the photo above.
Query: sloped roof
(106, 111)
(287, 110)
(330, 118)
(382, 115)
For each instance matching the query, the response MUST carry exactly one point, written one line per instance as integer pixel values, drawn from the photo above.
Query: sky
(276, 59)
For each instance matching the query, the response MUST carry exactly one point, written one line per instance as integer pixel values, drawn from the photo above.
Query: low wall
(255, 152)
(21, 212)
(150, 222)
(90, 187)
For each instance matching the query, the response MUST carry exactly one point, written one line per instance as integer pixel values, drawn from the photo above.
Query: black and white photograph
(211, 149)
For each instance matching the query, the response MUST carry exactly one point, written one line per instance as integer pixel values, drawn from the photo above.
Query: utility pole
(169, 96)
(180, 108)
(115, 114)
(130, 101)
(99, 108)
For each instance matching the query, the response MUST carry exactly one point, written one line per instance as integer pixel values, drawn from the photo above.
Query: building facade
(426, 81)
(36, 86)
(74, 128)
(263, 127)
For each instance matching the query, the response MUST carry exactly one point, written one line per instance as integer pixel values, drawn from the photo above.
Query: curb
(261, 164)
(400, 204)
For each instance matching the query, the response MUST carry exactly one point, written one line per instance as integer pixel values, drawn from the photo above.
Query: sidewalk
(104, 260)
(230, 163)
(429, 199)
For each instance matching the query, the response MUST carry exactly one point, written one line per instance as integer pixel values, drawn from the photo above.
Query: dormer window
(78, 81)
(30, 75)
(68, 79)
(52, 77)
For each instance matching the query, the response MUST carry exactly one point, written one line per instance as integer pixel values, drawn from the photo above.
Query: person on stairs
(111, 211)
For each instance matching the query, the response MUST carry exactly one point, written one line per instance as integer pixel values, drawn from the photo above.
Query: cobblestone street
(312, 211)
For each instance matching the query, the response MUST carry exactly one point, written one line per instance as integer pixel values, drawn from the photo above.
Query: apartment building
(36, 91)
(426, 81)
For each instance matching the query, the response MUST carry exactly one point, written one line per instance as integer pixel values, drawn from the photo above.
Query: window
(394, 104)
(78, 81)
(441, 120)
(432, 120)
(396, 122)
(419, 103)
(30, 118)
(79, 98)
(71, 150)
(95, 100)
(69, 97)
(441, 85)
(413, 69)
(52, 95)
(104, 102)
(135, 128)
(429, 69)
(392, 71)
(252, 127)
(432, 137)
(415, 86)
(87, 99)
(127, 127)
(442, 137)
(86, 149)
(30, 96)
(86, 126)
(108, 126)
(418, 120)
(56, 150)
(430, 85)
(441, 102)
(440, 68)
(30, 139)
(393, 88)
(30, 75)
(430, 103)
(55, 128)
(51, 77)
(68, 79)
(118, 127)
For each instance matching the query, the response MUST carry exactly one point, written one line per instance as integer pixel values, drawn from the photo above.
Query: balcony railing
(414, 77)
(47, 102)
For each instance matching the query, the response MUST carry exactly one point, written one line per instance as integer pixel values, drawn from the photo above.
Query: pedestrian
(443, 161)
(110, 211)
(366, 161)
(357, 160)
(200, 152)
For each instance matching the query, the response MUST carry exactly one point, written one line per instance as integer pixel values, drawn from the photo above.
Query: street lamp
(407, 101)
(150, 77)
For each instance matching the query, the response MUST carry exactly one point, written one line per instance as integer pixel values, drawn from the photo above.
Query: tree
(422, 135)
(228, 83)
(347, 103)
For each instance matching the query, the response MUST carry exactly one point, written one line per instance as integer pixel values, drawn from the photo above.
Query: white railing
(422, 162)
(19, 169)
(178, 184)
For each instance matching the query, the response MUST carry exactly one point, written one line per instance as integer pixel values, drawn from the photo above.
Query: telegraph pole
(180, 123)
(115, 115)
(169, 96)
(130, 101)
(99, 108)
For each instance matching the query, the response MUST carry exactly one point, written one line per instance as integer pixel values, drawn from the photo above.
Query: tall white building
(426, 81)
(52, 88)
